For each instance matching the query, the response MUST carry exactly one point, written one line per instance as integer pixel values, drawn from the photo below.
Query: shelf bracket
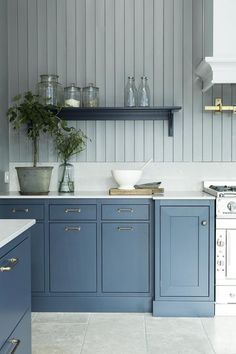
(170, 123)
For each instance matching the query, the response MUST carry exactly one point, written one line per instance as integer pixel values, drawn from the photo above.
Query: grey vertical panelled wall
(4, 144)
(104, 41)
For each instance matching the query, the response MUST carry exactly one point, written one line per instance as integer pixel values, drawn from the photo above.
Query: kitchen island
(15, 285)
(95, 252)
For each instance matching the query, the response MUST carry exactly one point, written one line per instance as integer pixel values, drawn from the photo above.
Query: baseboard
(91, 304)
(183, 309)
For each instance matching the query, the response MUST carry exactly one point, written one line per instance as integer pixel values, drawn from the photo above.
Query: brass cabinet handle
(73, 210)
(125, 210)
(72, 228)
(125, 228)
(14, 210)
(15, 343)
(11, 263)
(204, 223)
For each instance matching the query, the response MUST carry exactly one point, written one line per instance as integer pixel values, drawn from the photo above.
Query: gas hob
(220, 189)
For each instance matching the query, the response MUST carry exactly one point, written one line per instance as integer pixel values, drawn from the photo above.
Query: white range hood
(220, 37)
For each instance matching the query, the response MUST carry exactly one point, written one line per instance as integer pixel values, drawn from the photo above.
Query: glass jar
(66, 178)
(130, 93)
(144, 93)
(90, 96)
(72, 96)
(50, 91)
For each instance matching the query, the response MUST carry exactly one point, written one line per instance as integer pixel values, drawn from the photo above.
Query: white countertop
(105, 194)
(11, 228)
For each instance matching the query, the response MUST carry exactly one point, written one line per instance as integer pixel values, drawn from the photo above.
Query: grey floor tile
(115, 334)
(60, 317)
(33, 316)
(221, 332)
(57, 338)
(176, 336)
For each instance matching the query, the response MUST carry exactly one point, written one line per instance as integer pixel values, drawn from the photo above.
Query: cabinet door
(19, 341)
(37, 258)
(73, 257)
(15, 288)
(184, 251)
(125, 258)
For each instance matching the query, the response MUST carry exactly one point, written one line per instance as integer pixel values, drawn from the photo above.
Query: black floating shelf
(122, 113)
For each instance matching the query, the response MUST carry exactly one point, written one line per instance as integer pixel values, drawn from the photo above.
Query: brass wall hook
(219, 108)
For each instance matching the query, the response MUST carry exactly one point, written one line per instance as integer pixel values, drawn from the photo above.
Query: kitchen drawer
(15, 287)
(226, 294)
(19, 342)
(22, 211)
(125, 212)
(73, 212)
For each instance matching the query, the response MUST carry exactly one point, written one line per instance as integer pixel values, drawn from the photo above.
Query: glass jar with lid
(72, 96)
(91, 96)
(50, 91)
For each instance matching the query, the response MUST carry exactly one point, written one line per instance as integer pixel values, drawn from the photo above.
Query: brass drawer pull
(14, 210)
(73, 210)
(11, 263)
(125, 228)
(15, 343)
(72, 228)
(125, 210)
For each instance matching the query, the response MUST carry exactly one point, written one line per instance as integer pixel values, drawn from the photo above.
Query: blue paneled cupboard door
(73, 249)
(126, 258)
(184, 252)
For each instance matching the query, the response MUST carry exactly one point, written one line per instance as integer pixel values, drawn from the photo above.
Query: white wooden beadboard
(104, 41)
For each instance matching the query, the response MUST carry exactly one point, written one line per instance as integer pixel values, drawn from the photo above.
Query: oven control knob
(220, 243)
(220, 263)
(231, 206)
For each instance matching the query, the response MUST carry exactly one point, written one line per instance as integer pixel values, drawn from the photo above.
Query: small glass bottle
(66, 178)
(144, 93)
(72, 96)
(130, 93)
(90, 96)
(50, 91)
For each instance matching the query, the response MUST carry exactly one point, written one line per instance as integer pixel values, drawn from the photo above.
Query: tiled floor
(75, 333)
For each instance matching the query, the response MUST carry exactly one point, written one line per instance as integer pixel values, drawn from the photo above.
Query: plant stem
(64, 171)
(35, 151)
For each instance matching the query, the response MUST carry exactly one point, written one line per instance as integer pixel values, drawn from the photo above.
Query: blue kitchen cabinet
(125, 258)
(16, 209)
(37, 258)
(73, 254)
(184, 282)
(15, 296)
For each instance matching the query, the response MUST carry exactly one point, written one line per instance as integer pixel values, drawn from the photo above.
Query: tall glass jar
(90, 96)
(72, 96)
(66, 178)
(144, 93)
(130, 93)
(50, 91)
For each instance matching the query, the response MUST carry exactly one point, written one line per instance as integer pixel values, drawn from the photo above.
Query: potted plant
(37, 119)
(68, 143)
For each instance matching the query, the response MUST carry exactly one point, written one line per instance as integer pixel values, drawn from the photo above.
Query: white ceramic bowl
(126, 179)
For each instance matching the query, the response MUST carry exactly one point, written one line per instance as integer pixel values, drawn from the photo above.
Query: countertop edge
(24, 225)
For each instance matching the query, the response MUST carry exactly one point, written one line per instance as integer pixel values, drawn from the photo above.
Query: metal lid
(91, 87)
(131, 77)
(144, 77)
(49, 78)
(72, 88)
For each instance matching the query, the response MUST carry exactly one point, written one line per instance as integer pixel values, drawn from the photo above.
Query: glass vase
(144, 93)
(130, 93)
(66, 178)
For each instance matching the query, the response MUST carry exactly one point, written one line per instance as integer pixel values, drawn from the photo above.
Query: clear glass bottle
(90, 96)
(144, 93)
(50, 91)
(66, 178)
(72, 96)
(130, 93)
